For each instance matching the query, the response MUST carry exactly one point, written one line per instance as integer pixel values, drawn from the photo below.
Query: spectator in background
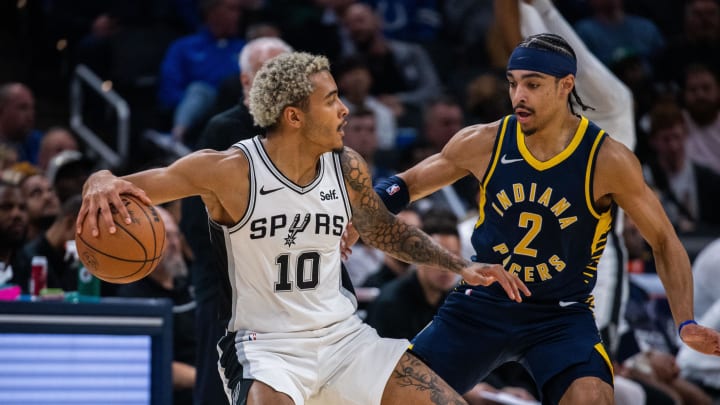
(645, 94)
(409, 302)
(687, 190)
(404, 77)
(701, 96)
(236, 123)
(466, 26)
(409, 20)
(17, 121)
(442, 117)
(354, 81)
(43, 205)
(698, 368)
(706, 278)
(485, 97)
(170, 280)
(640, 257)
(611, 34)
(67, 173)
(195, 65)
(8, 156)
(311, 25)
(391, 267)
(61, 271)
(699, 42)
(230, 91)
(13, 228)
(361, 135)
(55, 140)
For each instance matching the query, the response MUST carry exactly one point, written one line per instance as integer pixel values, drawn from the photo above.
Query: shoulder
(473, 140)
(617, 167)
(349, 159)
(205, 164)
(613, 152)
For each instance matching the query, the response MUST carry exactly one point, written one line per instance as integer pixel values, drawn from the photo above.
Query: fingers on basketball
(132, 252)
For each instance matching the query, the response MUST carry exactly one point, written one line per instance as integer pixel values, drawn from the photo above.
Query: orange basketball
(132, 252)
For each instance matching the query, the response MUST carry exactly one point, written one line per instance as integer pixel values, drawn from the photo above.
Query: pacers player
(278, 205)
(551, 182)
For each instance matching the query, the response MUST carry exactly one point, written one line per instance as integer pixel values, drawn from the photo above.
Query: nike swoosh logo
(566, 303)
(263, 191)
(504, 160)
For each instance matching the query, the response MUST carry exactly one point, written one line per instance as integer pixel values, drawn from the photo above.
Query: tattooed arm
(382, 230)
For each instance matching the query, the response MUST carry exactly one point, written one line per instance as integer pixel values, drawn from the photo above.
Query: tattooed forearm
(382, 230)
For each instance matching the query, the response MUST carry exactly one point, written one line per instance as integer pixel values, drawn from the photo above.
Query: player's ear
(293, 115)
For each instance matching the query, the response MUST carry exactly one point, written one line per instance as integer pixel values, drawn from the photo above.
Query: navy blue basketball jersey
(539, 218)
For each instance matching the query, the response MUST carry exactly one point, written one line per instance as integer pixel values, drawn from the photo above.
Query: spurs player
(277, 206)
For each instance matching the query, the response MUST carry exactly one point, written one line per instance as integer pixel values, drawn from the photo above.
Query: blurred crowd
(412, 72)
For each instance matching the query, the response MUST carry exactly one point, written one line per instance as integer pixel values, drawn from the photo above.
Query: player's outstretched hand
(486, 274)
(101, 195)
(702, 339)
(349, 238)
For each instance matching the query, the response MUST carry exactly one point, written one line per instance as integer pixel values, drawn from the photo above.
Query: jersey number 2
(302, 279)
(534, 221)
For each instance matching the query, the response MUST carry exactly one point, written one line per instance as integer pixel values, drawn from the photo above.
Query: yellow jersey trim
(601, 349)
(491, 170)
(557, 159)
(588, 177)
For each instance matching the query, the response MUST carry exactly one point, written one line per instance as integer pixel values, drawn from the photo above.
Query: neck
(553, 137)
(295, 159)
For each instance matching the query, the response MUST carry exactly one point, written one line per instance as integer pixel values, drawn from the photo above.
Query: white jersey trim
(341, 185)
(281, 177)
(251, 203)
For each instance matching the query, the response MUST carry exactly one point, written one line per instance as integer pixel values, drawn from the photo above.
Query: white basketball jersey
(283, 256)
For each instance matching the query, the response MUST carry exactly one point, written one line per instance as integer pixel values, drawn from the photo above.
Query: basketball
(132, 252)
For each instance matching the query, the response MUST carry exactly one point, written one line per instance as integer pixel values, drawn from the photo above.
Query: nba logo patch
(393, 189)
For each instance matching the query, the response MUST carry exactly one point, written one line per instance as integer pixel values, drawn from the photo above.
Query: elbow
(667, 245)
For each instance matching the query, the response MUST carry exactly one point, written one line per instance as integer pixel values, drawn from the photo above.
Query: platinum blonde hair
(283, 81)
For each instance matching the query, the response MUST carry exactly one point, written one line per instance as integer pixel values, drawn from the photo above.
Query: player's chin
(338, 147)
(528, 129)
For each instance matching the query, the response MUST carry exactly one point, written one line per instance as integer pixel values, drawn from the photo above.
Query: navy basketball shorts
(476, 332)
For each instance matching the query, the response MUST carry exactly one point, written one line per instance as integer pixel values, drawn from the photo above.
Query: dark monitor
(117, 351)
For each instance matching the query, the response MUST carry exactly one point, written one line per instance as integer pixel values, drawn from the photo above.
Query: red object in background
(636, 266)
(38, 276)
